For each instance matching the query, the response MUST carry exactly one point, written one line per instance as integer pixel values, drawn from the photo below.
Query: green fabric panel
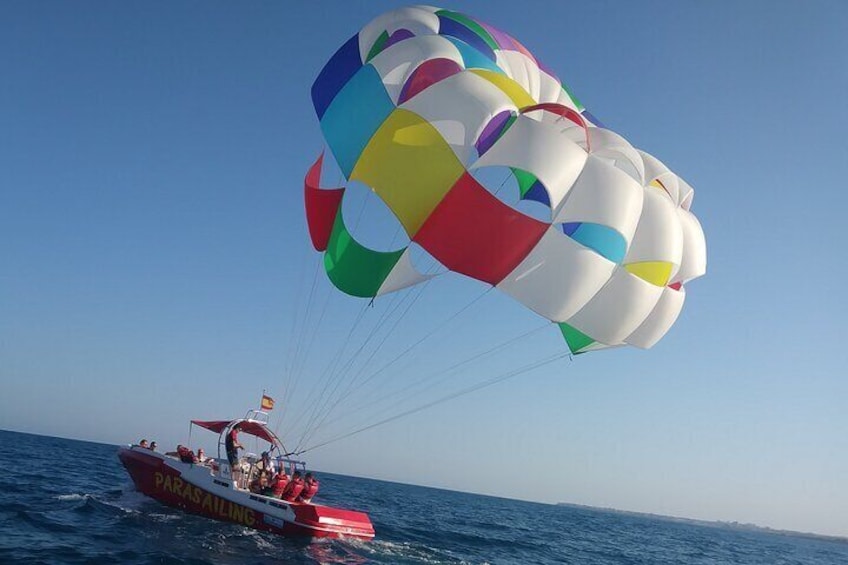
(354, 269)
(378, 46)
(472, 25)
(525, 180)
(573, 98)
(575, 339)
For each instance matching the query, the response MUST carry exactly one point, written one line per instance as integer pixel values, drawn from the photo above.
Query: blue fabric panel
(453, 28)
(538, 193)
(570, 227)
(473, 59)
(602, 239)
(338, 70)
(354, 116)
(592, 119)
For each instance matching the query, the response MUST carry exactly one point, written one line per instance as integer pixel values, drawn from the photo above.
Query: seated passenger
(279, 484)
(259, 484)
(143, 443)
(294, 488)
(201, 456)
(310, 487)
(186, 455)
(152, 446)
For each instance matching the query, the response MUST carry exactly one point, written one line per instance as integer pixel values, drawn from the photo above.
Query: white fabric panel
(403, 275)
(603, 194)
(609, 144)
(669, 181)
(566, 100)
(395, 65)
(549, 88)
(654, 168)
(618, 309)
(687, 194)
(599, 346)
(558, 277)
(659, 236)
(420, 20)
(520, 68)
(539, 149)
(693, 264)
(459, 107)
(660, 320)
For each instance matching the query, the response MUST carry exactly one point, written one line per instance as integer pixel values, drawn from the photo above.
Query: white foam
(72, 496)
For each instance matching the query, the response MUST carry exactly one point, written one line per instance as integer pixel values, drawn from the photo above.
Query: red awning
(252, 428)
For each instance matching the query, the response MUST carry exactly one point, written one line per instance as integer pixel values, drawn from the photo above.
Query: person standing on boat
(232, 444)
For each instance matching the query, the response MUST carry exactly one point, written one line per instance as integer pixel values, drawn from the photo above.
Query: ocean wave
(73, 496)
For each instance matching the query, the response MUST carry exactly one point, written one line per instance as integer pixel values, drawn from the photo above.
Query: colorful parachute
(423, 99)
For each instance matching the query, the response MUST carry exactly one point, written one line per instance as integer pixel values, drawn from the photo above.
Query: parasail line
(430, 379)
(354, 380)
(326, 408)
(474, 388)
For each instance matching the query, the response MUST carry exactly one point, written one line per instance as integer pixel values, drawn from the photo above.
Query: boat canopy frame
(254, 423)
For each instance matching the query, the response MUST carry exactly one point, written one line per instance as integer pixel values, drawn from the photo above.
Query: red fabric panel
(427, 74)
(216, 426)
(321, 206)
(473, 233)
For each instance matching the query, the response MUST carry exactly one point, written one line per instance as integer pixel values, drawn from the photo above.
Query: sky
(155, 265)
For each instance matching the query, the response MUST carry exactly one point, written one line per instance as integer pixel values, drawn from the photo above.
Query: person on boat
(279, 483)
(232, 444)
(260, 485)
(201, 456)
(143, 443)
(186, 455)
(152, 446)
(310, 488)
(294, 488)
(266, 464)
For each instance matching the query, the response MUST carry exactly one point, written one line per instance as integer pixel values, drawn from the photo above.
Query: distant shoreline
(730, 525)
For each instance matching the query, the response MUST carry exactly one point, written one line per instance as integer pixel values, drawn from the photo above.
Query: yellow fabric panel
(654, 272)
(410, 166)
(511, 88)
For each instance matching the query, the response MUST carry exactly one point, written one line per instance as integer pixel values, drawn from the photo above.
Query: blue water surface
(66, 501)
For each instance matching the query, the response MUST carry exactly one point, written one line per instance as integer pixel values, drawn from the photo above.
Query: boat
(213, 489)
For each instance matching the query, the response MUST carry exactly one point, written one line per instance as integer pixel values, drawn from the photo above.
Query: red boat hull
(162, 480)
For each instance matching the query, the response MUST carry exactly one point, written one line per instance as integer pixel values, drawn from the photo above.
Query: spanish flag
(267, 402)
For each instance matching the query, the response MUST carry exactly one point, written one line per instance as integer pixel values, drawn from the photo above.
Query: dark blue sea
(66, 501)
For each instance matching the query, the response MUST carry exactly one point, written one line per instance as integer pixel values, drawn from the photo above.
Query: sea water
(66, 501)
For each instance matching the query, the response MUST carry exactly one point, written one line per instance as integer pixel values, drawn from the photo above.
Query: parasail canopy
(420, 103)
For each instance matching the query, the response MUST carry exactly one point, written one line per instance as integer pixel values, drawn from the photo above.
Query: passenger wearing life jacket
(310, 487)
(294, 488)
(279, 484)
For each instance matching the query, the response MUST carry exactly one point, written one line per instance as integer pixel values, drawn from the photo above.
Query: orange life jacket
(310, 487)
(280, 484)
(293, 490)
